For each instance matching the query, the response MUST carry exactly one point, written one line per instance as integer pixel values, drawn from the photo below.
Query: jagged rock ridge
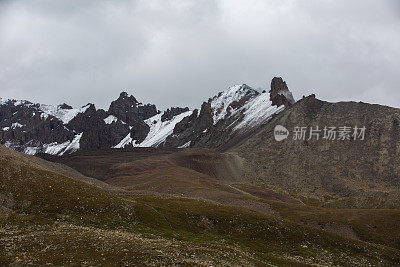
(38, 128)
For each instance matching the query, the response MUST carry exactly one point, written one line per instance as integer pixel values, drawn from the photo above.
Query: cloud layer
(175, 53)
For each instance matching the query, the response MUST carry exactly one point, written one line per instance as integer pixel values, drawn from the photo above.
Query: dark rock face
(205, 119)
(103, 136)
(133, 113)
(24, 124)
(129, 110)
(170, 113)
(186, 123)
(223, 119)
(147, 111)
(64, 106)
(96, 133)
(190, 128)
(140, 131)
(280, 94)
(125, 108)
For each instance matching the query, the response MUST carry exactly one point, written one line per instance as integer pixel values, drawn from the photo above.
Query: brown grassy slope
(161, 175)
(250, 227)
(54, 219)
(224, 167)
(52, 166)
(374, 226)
(29, 189)
(196, 173)
(341, 173)
(183, 231)
(96, 163)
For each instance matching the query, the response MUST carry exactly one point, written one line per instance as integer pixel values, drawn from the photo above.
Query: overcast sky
(180, 53)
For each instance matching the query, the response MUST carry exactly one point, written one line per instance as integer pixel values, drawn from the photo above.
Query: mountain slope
(228, 115)
(47, 218)
(343, 173)
(209, 175)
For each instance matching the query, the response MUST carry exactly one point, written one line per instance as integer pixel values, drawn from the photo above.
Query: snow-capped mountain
(226, 118)
(223, 119)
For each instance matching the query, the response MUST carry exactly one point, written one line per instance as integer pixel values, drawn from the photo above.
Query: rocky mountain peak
(64, 106)
(124, 98)
(90, 108)
(129, 110)
(280, 94)
(125, 108)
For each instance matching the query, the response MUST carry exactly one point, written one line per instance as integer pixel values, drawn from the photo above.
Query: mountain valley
(210, 186)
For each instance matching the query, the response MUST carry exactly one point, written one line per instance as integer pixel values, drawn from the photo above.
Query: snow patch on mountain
(64, 115)
(55, 148)
(110, 119)
(15, 102)
(159, 131)
(30, 150)
(124, 142)
(257, 111)
(66, 147)
(223, 100)
(16, 125)
(74, 145)
(186, 145)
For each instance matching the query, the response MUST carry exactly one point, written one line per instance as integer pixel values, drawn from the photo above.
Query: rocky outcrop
(170, 113)
(129, 110)
(125, 108)
(280, 94)
(147, 111)
(64, 106)
(190, 128)
(96, 133)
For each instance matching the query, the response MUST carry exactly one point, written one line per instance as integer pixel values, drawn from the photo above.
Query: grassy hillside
(96, 163)
(374, 226)
(30, 191)
(47, 217)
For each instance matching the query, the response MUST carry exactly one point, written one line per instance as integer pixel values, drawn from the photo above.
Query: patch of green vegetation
(374, 226)
(312, 201)
(39, 195)
(4, 259)
(198, 221)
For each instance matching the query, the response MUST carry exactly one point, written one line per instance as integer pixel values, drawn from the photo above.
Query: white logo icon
(280, 133)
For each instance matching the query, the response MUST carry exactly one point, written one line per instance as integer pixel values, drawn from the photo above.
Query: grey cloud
(182, 52)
